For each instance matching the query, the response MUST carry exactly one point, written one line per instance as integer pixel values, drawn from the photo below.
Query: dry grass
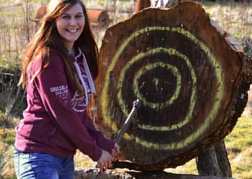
(238, 145)
(239, 148)
(234, 18)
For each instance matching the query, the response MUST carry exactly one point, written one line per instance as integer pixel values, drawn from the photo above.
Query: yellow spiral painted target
(176, 93)
(152, 65)
(188, 80)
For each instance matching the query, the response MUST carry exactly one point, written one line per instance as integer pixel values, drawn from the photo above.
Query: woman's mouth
(72, 30)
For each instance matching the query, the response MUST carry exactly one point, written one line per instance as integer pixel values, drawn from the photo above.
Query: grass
(234, 18)
(7, 137)
(238, 145)
(239, 148)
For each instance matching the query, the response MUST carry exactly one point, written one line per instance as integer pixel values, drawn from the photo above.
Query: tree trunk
(222, 158)
(191, 80)
(214, 162)
(207, 163)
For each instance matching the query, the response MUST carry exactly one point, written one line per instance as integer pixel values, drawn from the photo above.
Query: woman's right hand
(105, 161)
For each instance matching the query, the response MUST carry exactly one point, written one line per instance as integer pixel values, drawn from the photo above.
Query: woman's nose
(73, 21)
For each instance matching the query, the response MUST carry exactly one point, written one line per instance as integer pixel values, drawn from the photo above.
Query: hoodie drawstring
(89, 77)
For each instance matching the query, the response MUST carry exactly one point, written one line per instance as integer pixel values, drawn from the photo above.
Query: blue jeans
(42, 166)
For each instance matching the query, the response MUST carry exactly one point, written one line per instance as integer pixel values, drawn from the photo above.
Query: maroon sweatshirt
(55, 121)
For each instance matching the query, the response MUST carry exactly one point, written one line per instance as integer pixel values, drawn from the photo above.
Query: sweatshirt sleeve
(52, 84)
(102, 142)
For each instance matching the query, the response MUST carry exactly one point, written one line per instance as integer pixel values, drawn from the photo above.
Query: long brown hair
(48, 37)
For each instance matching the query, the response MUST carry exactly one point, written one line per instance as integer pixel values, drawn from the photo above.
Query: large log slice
(191, 78)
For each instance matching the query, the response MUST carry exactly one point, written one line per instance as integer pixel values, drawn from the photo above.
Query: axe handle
(127, 121)
(124, 127)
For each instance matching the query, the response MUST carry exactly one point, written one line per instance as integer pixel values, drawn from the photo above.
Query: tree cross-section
(191, 80)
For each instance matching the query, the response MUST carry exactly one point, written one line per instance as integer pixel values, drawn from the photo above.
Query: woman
(57, 69)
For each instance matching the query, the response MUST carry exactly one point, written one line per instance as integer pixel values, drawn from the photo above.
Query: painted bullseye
(154, 106)
(176, 73)
(148, 67)
(208, 119)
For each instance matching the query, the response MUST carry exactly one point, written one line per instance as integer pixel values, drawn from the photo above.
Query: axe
(124, 127)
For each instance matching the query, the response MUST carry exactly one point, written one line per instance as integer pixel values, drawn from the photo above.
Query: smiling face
(70, 25)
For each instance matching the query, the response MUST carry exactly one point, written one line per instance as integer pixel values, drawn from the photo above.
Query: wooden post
(222, 158)
(207, 163)
(214, 162)
(141, 4)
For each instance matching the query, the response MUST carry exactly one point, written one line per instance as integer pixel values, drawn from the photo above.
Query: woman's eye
(65, 17)
(79, 16)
